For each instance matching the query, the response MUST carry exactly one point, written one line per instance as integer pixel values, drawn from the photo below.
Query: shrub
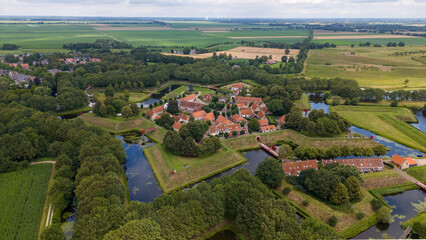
(388, 164)
(286, 190)
(394, 104)
(360, 215)
(376, 204)
(384, 215)
(305, 203)
(332, 221)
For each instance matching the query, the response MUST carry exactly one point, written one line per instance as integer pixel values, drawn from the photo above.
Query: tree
(376, 204)
(394, 103)
(42, 91)
(253, 125)
(406, 82)
(103, 110)
(335, 100)
(135, 109)
(126, 112)
(287, 51)
(126, 95)
(270, 172)
(339, 195)
(284, 59)
(97, 107)
(186, 50)
(285, 152)
(189, 147)
(332, 221)
(384, 215)
(144, 229)
(424, 110)
(380, 150)
(354, 188)
(401, 44)
(226, 135)
(52, 232)
(109, 91)
(173, 142)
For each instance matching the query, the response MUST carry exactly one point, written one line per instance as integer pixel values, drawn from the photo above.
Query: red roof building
(159, 109)
(177, 126)
(207, 97)
(237, 118)
(190, 107)
(261, 115)
(223, 120)
(403, 163)
(363, 164)
(269, 128)
(189, 98)
(281, 120)
(209, 117)
(294, 168)
(240, 99)
(255, 107)
(263, 122)
(199, 115)
(236, 86)
(246, 112)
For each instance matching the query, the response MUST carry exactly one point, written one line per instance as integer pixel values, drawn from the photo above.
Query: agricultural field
(370, 66)
(22, 196)
(189, 170)
(385, 121)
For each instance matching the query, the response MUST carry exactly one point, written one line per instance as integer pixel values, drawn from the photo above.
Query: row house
(189, 98)
(246, 112)
(237, 118)
(269, 128)
(363, 164)
(294, 168)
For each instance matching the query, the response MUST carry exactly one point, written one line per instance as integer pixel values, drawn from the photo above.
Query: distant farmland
(22, 195)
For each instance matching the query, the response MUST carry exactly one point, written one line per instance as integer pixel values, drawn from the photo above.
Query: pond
(402, 211)
(224, 235)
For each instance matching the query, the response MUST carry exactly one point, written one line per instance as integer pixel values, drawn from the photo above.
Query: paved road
(405, 175)
(34, 163)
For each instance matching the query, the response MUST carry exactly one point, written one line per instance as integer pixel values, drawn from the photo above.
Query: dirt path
(34, 163)
(405, 175)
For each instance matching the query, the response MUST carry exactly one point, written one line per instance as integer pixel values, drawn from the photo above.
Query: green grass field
(385, 121)
(370, 66)
(372, 40)
(189, 170)
(418, 173)
(118, 124)
(22, 195)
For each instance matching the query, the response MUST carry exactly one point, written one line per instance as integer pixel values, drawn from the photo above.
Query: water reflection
(421, 125)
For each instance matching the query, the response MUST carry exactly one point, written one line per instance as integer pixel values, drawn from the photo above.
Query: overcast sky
(219, 8)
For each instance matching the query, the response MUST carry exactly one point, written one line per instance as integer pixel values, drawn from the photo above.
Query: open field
(386, 121)
(403, 104)
(385, 178)
(418, 173)
(346, 220)
(189, 170)
(370, 66)
(135, 97)
(248, 53)
(346, 36)
(22, 196)
(249, 141)
(347, 42)
(329, 32)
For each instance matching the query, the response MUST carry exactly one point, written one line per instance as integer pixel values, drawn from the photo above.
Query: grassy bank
(117, 125)
(249, 141)
(22, 197)
(418, 173)
(394, 189)
(135, 97)
(402, 104)
(382, 179)
(386, 121)
(303, 102)
(188, 170)
(74, 111)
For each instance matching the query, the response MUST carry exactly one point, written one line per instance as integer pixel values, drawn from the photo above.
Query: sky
(219, 8)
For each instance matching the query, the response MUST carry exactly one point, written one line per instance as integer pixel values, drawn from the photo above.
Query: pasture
(386, 121)
(22, 196)
(370, 66)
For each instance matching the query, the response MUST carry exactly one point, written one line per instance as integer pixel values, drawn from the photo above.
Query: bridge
(143, 131)
(421, 185)
(269, 149)
(405, 233)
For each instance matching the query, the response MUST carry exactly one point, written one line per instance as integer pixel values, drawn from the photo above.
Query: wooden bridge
(269, 149)
(143, 131)
(421, 185)
(405, 233)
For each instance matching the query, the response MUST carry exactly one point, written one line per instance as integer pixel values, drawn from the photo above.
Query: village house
(281, 120)
(155, 112)
(363, 164)
(177, 126)
(255, 107)
(237, 87)
(261, 115)
(209, 117)
(263, 122)
(248, 100)
(403, 163)
(269, 128)
(294, 168)
(223, 125)
(189, 98)
(199, 115)
(183, 118)
(207, 97)
(190, 107)
(270, 61)
(246, 112)
(237, 118)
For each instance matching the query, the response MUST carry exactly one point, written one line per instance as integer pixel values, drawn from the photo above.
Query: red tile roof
(159, 109)
(209, 116)
(177, 126)
(400, 160)
(360, 163)
(237, 85)
(237, 118)
(223, 120)
(263, 122)
(254, 106)
(294, 168)
(260, 114)
(267, 128)
(150, 113)
(199, 114)
(189, 98)
(281, 120)
(239, 99)
(184, 116)
(246, 111)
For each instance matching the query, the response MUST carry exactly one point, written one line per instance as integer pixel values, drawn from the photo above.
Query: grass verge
(418, 173)
(74, 111)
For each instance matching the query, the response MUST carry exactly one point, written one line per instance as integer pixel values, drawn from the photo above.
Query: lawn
(384, 178)
(117, 125)
(418, 173)
(249, 141)
(135, 97)
(176, 92)
(189, 170)
(347, 221)
(386, 121)
(370, 66)
(303, 102)
(22, 196)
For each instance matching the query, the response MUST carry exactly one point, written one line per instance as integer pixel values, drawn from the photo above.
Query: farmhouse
(294, 168)
(177, 126)
(209, 117)
(155, 113)
(246, 112)
(363, 164)
(269, 128)
(403, 163)
(199, 115)
(190, 106)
